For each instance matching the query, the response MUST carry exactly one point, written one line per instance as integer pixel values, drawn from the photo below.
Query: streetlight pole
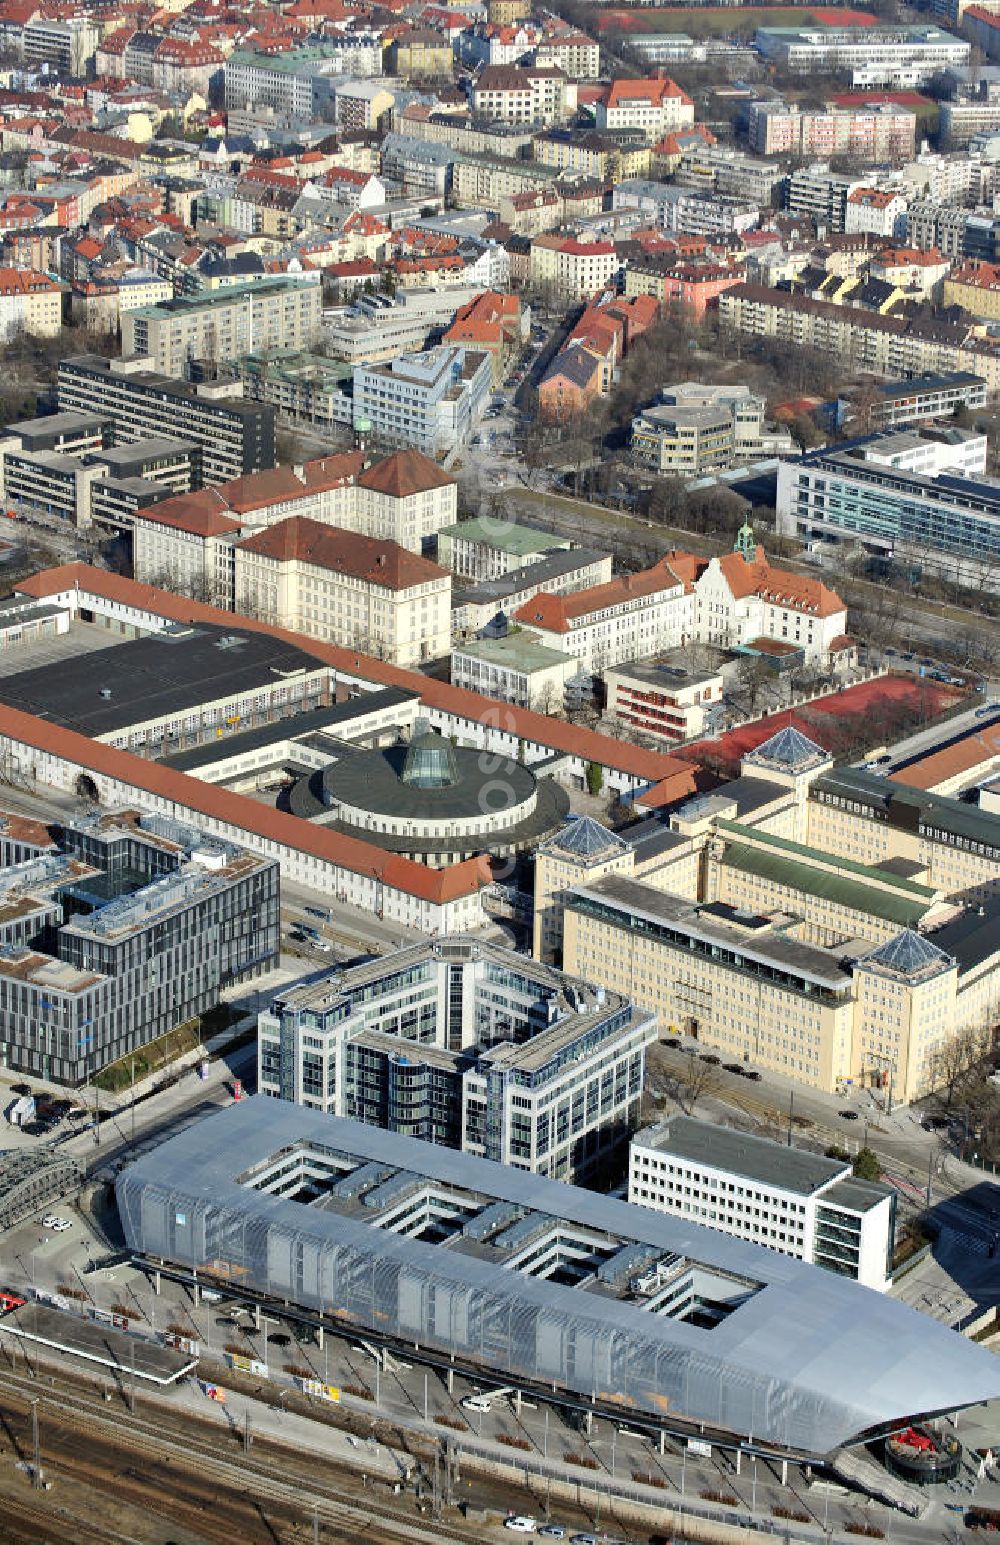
(36, 1474)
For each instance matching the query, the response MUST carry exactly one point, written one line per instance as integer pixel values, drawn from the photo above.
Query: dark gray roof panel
(152, 678)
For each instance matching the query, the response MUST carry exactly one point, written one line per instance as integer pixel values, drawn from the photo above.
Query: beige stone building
(186, 543)
(224, 325)
(344, 588)
(826, 924)
(30, 302)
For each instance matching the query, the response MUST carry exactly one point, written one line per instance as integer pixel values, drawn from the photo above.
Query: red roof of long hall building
(434, 885)
(404, 874)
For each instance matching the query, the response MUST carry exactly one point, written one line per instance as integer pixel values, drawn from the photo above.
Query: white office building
(430, 401)
(786, 1199)
(468, 1045)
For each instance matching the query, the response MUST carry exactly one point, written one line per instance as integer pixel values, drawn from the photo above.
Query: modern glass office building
(133, 927)
(465, 1044)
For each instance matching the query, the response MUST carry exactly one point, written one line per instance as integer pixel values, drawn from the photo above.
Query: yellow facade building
(830, 925)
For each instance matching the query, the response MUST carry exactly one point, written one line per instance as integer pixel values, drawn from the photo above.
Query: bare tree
(960, 1061)
(697, 1079)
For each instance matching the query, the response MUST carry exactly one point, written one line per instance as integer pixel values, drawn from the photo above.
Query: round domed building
(432, 801)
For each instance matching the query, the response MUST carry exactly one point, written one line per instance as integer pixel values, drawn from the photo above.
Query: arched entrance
(86, 788)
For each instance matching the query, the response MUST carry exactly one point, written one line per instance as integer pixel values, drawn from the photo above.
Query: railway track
(159, 1449)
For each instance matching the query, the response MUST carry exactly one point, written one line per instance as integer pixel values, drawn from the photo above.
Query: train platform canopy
(547, 1285)
(41, 1325)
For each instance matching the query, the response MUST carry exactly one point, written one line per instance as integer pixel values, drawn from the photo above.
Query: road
(909, 1153)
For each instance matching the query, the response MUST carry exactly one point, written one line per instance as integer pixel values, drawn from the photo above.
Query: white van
(483, 1399)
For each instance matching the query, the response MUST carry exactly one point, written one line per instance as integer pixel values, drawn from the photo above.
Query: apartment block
(135, 925)
(572, 268)
(886, 346)
(235, 437)
(225, 325)
(687, 211)
(300, 83)
(886, 132)
(467, 1045)
(30, 303)
(354, 590)
(688, 287)
(821, 195)
(786, 1199)
(975, 286)
(534, 94)
(431, 401)
(479, 180)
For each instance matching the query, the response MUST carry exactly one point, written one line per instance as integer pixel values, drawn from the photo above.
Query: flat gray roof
(755, 1158)
(767, 946)
(529, 578)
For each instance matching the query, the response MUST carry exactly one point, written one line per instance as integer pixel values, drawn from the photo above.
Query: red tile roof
(781, 587)
(530, 727)
(259, 820)
(964, 756)
(198, 513)
(655, 90)
(403, 474)
(557, 612)
(378, 562)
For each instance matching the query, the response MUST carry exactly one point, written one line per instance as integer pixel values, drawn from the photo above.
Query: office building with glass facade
(945, 520)
(468, 1045)
(132, 926)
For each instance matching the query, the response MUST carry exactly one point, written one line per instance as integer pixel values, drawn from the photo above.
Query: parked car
(519, 1523)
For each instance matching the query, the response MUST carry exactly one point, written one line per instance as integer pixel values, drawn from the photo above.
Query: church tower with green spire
(745, 542)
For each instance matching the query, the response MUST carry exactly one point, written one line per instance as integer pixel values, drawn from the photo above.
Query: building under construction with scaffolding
(120, 929)
(550, 1287)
